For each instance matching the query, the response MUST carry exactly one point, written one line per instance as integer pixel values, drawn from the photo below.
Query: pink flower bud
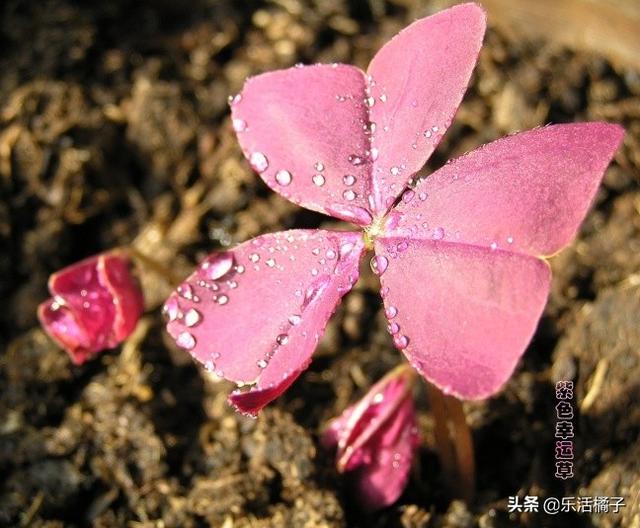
(377, 439)
(95, 305)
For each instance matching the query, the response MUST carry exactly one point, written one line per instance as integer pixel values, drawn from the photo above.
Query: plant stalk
(454, 443)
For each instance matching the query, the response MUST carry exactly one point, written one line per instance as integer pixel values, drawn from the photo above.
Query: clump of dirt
(114, 131)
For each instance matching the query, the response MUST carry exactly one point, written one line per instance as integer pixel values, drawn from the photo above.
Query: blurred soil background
(114, 130)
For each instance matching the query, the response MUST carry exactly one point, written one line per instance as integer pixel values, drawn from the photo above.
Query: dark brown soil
(114, 130)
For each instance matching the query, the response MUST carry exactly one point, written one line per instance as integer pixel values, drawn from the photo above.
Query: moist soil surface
(115, 131)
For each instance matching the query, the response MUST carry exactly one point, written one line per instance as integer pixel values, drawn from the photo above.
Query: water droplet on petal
(393, 328)
(391, 312)
(295, 319)
(402, 246)
(394, 170)
(186, 340)
(262, 363)
(319, 166)
(270, 262)
(370, 101)
(510, 240)
(438, 233)
(239, 125)
(314, 291)
(216, 266)
(186, 291)
(349, 179)
(349, 195)
(318, 180)
(401, 341)
(192, 317)
(283, 177)
(423, 196)
(170, 310)
(282, 339)
(379, 264)
(259, 161)
(346, 248)
(331, 254)
(375, 153)
(222, 299)
(254, 257)
(354, 159)
(408, 196)
(494, 246)
(383, 98)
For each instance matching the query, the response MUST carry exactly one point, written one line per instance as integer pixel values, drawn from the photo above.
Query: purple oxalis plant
(460, 254)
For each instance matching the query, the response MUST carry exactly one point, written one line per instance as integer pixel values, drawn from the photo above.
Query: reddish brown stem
(454, 443)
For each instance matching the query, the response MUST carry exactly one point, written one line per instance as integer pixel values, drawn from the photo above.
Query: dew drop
(192, 317)
(354, 159)
(428, 133)
(510, 240)
(282, 339)
(408, 196)
(315, 251)
(318, 180)
(402, 246)
(394, 171)
(349, 195)
(239, 125)
(379, 264)
(170, 310)
(393, 328)
(216, 266)
(370, 101)
(374, 154)
(383, 98)
(423, 196)
(391, 312)
(493, 246)
(319, 166)
(270, 262)
(186, 291)
(186, 340)
(259, 161)
(331, 254)
(346, 248)
(349, 179)
(295, 319)
(222, 299)
(254, 257)
(262, 363)
(401, 341)
(438, 233)
(314, 291)
(283, 177)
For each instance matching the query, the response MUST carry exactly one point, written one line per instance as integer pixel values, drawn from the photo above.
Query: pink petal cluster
(95, 305)
(458, 253)
(377, 439)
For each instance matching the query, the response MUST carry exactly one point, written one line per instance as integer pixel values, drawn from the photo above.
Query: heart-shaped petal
(416, 83)
(255, 314)
(306, 131)
(524, 193)
(463, 315)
